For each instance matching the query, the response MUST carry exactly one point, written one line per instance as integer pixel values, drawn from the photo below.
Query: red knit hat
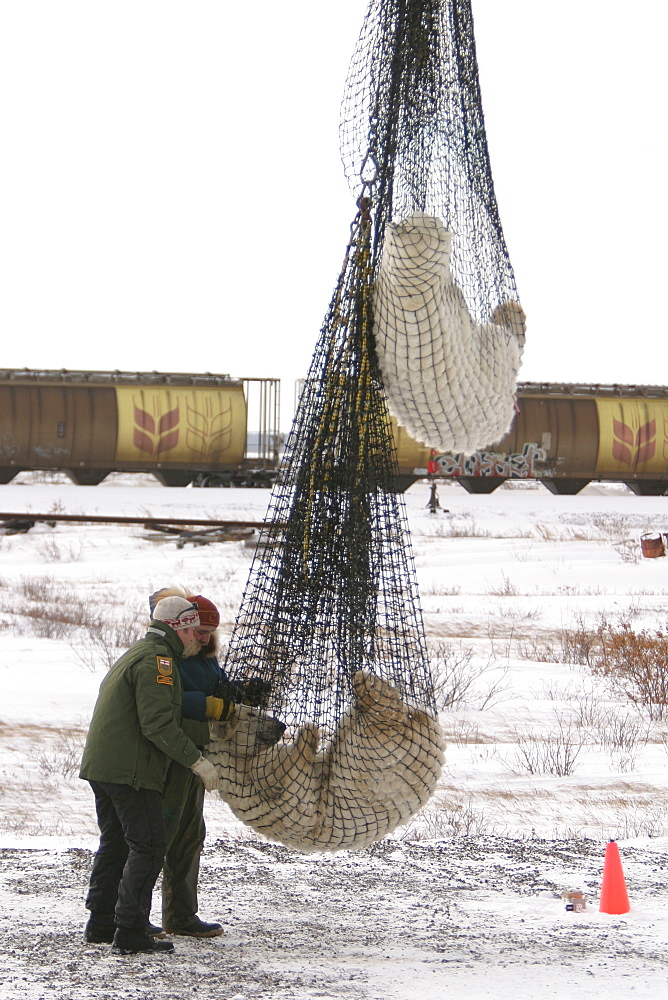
(208, 612)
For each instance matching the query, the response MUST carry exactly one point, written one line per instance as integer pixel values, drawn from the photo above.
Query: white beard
(191, 648)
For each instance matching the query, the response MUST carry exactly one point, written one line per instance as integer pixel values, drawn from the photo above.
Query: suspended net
(330, 617)
(449, 328)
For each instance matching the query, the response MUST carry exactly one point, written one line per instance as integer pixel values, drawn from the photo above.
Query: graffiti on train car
(633, 435)
(50, 452)
(179, 425)
(8, 446)
(491, 463)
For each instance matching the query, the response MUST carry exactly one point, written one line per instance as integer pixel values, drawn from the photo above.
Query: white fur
(448, 380)
(380, 768)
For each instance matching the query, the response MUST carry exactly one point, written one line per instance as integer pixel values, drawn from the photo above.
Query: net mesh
(449, 329)
(330, 618)
(338, 593)
(413, 136)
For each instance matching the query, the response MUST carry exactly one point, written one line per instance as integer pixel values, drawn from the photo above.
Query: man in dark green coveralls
(134, 735)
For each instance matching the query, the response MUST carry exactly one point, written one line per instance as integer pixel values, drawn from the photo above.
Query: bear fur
(449, 380)
(380, 767)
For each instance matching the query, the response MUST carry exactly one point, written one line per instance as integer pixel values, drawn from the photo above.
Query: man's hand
(206, 772)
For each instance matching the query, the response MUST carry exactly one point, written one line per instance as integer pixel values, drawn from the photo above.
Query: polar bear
(449, 380)
(380, 767)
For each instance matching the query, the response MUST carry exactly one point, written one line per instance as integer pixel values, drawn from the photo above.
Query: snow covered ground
(465, 900)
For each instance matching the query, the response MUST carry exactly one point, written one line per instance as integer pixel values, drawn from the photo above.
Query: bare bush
(457, 679)
(459, 526)
(63, 756)
(640, 819)
(436, 589)
(50, 608)
(578, 645)
(54, 610)
(50, 550)
(53, 550)
(629, 550)
(624, 736)
(441, 818)
(555, 752)
(584, 708)
(575, 646)
(505, 589)
(100, 643)
(43, 589)
(623, 731)
(588, 713)
(610, 524)
(635, 664)
(539, 650)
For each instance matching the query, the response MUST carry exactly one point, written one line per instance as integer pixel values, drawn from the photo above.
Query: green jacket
(135, 731)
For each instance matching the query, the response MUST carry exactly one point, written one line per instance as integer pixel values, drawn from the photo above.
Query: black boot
(129, 941)
(198, 928)
(100, 928)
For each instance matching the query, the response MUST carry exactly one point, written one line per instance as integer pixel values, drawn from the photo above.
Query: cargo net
(330, 620)
(449, 328)
(425, 318)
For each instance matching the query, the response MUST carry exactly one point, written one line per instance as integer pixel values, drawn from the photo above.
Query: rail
(147, 521)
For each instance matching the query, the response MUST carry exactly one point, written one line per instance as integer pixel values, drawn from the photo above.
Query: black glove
(227, 690)
(255, 691)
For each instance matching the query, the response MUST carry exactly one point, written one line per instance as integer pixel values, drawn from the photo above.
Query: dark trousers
(183, 801)
(130, 855)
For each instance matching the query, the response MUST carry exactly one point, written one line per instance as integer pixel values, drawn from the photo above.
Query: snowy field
(546, 762)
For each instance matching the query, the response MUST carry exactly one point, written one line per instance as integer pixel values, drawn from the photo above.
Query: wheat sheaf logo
(633, 447)
(208, 430)
(155, 435)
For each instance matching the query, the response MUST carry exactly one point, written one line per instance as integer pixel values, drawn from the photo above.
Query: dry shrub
(505, 589)
(578, 646)
(63, 756)
(459, 680)
(459, 526)
(554, 752)
(635, 664)
(442, 818)
(99, 642)
(51, 609)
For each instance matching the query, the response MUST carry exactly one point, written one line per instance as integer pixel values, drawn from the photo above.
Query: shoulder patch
(165, 665)
(165, 680)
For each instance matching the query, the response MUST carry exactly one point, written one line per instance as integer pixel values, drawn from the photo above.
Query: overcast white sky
(172, 198)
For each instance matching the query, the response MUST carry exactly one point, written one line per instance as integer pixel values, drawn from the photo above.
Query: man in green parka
(134, 735)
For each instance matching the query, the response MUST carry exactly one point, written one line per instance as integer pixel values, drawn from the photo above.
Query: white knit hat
(176, 612)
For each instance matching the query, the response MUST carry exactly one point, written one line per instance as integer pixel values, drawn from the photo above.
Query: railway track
(148, 522)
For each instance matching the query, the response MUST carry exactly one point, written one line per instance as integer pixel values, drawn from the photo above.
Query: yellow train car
(565, 435)
(89, 424)
(193, 428)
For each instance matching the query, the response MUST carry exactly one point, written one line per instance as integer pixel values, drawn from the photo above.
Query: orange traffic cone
(614, 897)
